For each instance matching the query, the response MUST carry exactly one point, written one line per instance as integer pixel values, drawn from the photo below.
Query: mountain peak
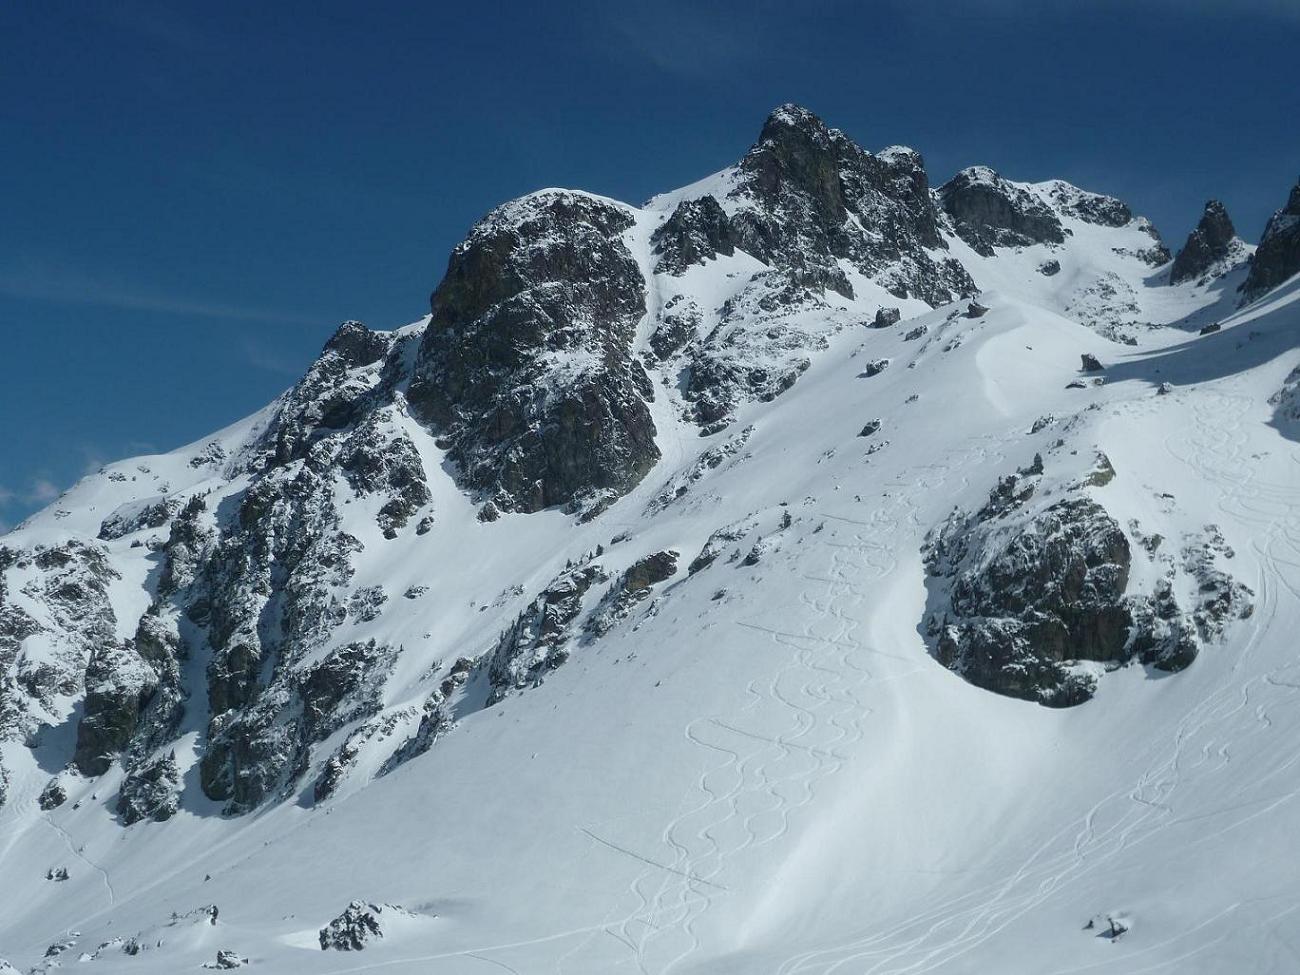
(1215, 223)
(796, 149)
(1211, 244)
(790, 117)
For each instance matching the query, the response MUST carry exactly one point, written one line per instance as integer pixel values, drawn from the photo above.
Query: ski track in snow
(72, 848)
(817, 690)
(753, 785)
(1201, 745)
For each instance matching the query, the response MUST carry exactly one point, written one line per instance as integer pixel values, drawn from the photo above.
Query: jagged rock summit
(1212, 248)
(808, 197)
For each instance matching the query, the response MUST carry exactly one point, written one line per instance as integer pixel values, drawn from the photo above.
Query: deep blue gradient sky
(192, 195)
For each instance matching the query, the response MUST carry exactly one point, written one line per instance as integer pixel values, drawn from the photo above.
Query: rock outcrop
(1212, 247)
(118, 687)
(356, 927)
(697, 231)
(1026, 605)
(1030, 596)
(526, 369)
(885, 317)
(807, 196)
(151, 791)
(988, 211)
(1278, 256)
(538, 640)
(633, 587)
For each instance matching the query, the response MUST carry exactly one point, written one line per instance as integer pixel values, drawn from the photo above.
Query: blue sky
(194, 195)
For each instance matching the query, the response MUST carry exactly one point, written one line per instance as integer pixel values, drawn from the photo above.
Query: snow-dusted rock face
(526, 368)
(332, 395)
(151, 791)
(1034, 598)
(988, 211)
(568, 328)
(817, 229)
(119, 684)
(249, 584)
(1278, 255)
(56, 616)
(540, 639)
(1027, 591)
(1212, 247)
(697, 231)
(809, 197)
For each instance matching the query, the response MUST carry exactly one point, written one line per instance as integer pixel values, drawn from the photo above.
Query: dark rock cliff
(526, 369)
(1210, 243)
(1278, 255)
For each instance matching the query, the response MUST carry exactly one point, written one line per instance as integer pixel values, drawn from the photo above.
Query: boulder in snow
(352, 930)
(886, 317)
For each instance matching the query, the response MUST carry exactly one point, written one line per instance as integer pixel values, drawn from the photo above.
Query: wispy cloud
(42, 281)
(40, 491)
(43, 491)
(259, 355)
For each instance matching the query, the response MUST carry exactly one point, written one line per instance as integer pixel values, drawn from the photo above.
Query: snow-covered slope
(614, 617)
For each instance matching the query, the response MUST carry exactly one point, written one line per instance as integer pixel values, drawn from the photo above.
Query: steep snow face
(660, 604)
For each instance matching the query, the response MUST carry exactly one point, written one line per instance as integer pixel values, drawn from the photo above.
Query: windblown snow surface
(764, 769)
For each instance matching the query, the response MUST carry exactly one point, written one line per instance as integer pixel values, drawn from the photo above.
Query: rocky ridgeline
(253, 589)
(271, 590)
(806, 201)
(988, 211)
(991, 213)
(808, 196)
(1033, 599)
